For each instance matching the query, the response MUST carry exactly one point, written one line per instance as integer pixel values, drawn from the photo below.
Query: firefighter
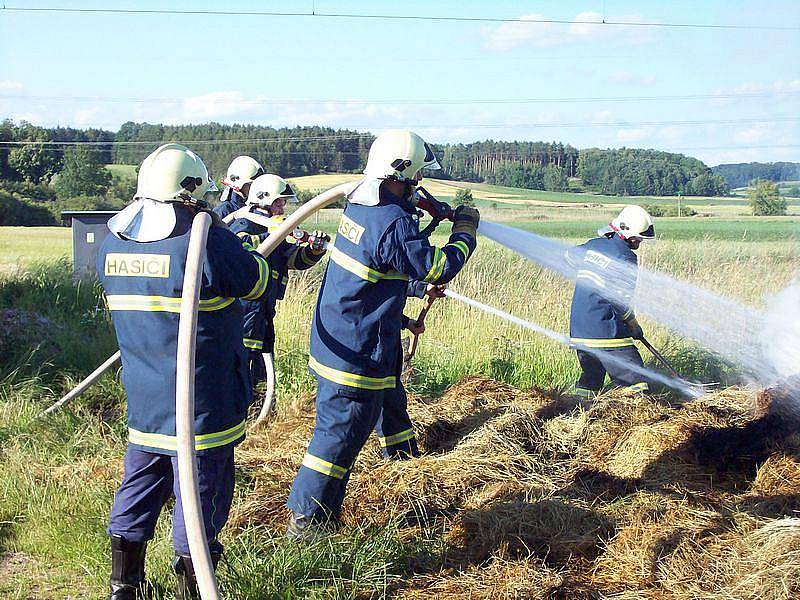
(603, 325)
(242, 171)
(355, 351)
(141, 267)
(267, 198)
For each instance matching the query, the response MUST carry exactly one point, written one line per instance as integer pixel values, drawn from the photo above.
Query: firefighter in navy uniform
(602, 316)
(242, 171)
(267, 198)
(141, 267)
(355, 350)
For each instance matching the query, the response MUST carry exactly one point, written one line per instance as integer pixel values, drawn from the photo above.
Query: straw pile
(535, 497)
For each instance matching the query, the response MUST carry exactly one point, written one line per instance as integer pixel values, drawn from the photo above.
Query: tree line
(297, 151)
(742, 174)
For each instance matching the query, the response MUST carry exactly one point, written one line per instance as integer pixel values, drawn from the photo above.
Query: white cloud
(11, 87)
(531, 30)
(628, 78)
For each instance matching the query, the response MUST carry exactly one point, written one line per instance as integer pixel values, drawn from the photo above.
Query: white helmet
(268, 188)
(631, 222)
(399, 154)
(241, 171)
(173, 173)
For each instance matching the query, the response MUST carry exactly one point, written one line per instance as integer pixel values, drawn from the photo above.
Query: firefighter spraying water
(355, 349)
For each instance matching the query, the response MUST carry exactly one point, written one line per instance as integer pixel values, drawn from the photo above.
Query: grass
(519, 494)
(19, 246)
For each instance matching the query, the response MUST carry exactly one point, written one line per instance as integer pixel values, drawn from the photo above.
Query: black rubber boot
(127, 568)
(186, 586)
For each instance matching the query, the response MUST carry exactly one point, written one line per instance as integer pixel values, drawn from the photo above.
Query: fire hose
(184, 410)
(689, 388)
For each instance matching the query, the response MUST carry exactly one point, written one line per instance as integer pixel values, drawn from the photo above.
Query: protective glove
(319, 241)
(414, 328)
(435, 291)
(636, 329)
(435, 208)
(465, 220)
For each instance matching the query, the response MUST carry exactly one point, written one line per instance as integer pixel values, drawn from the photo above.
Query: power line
(396, 101)
(396, 17)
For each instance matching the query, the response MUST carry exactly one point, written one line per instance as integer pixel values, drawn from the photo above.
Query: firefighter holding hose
(602, 318)
(267, 197)
(355, 352)
(242, 172)
(141, 267)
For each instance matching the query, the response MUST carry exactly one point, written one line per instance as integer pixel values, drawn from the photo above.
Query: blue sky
(431, 76)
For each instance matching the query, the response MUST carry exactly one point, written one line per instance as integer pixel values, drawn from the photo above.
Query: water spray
(685, 387)
(766, 345)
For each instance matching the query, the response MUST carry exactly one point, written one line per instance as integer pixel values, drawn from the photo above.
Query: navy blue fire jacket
(287, 256)
(143, 283)
(229, 201)
(359, 314)
(605, 283)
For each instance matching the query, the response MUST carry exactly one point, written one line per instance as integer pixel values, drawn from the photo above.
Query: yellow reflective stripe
(462, 246)
(603, 343)
(352, 379)
(284, 280)
(323, 466)
(637, 387)
(253, 344)
(585, 392)
(263, 277)
(593, 277)
(361, 270)
(201, 442)
(437, 266)
(628, 314)
(249, 241)
(162, 303)
(397, 438)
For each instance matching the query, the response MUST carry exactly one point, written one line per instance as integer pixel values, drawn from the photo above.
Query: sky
(582, 83)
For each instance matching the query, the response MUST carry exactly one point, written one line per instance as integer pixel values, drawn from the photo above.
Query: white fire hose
(185, 413)
(269, 397)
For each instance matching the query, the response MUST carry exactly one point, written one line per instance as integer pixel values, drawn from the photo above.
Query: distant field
(123, 170)
(502, 197)
(24, 245)
(754, 229)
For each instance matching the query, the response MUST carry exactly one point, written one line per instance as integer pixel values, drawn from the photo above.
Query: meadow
(520, 493)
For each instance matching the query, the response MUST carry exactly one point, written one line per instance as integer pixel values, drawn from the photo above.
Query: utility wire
(395, 17)
(396, 101)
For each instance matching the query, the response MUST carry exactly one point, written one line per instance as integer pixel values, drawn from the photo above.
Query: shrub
(765, 200)
(15, 211)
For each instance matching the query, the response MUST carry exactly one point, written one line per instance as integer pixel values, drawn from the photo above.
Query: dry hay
(500, 579)
(633, 498)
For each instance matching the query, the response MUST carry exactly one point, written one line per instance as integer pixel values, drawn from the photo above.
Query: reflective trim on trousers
(201, 442)
(351, 379)
(323, 466)
(397, 438)
(603, 342)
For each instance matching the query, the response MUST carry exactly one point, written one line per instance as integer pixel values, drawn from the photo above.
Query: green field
(506, 478)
